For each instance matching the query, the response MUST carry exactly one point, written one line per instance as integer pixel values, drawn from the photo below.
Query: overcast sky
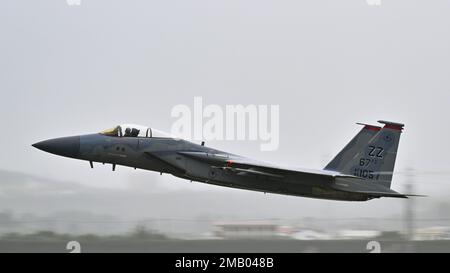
(67, 70)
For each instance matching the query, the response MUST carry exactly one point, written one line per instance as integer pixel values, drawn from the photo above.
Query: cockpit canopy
(133, 130)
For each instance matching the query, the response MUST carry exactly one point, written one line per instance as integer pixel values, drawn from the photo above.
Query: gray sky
(68, 70)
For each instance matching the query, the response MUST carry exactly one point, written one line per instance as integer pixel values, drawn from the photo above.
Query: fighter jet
(361, 171)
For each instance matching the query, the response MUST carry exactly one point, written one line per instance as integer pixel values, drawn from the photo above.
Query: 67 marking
(365, 162)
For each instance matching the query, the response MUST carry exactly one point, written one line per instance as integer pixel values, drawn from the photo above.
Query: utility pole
(409, 219)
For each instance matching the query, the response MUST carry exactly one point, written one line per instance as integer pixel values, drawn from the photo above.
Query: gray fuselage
(167, 155)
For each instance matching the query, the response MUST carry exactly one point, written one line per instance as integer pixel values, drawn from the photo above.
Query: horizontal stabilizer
(390, 194)
(358, 185)
(384, 194)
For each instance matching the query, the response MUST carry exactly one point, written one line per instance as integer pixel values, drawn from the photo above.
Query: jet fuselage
(177, 157)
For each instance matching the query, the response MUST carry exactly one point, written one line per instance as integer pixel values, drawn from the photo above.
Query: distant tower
(409, 210)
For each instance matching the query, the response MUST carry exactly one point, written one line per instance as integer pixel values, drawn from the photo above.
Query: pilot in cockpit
(127, 132)
(131, 132)
(134, 132)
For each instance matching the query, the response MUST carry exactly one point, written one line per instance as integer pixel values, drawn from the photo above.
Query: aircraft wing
(242, 171)
(245, 166)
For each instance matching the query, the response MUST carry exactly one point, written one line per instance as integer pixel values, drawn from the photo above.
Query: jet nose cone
(64, 146)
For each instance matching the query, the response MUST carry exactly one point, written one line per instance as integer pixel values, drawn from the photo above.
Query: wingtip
(416, 195)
